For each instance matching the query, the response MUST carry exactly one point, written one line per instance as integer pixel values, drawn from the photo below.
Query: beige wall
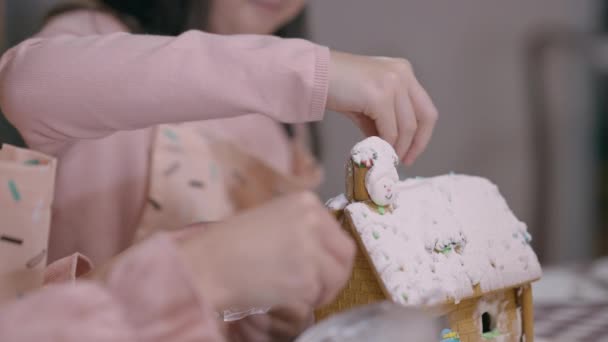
(469, 54)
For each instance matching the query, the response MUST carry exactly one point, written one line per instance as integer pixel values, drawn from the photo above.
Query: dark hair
(173, 17)
(170, 17)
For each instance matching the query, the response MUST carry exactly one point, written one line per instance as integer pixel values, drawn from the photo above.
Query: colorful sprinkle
(33, 262)
(32, 162)
(14, 192)
(376, 235)
(154, 204)
(381, 210)
(196, 184)
(491, 335)
(11, 239)
(170, 134)
(404, 297)
(446, 250)
(172, 169)
(447, 335)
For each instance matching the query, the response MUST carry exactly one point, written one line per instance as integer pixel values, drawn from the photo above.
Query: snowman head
(381, 185)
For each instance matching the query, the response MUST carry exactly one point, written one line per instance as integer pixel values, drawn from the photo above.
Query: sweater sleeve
(148, 297)
(84, 77)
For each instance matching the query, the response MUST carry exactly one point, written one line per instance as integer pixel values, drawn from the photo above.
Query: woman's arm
(81, 78)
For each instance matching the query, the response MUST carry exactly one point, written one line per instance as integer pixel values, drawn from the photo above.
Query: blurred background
(520, 86)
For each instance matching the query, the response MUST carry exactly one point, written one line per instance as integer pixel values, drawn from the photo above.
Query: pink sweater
(87, 92)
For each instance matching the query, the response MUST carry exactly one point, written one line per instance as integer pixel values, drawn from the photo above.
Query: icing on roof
(445, 235)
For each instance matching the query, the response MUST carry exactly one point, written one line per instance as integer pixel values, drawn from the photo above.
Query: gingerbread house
(448, 244)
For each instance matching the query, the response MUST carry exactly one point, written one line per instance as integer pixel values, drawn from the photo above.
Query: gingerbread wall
(502, 307)
(363, 286)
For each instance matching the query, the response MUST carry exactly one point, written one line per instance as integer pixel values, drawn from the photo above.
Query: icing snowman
(381, 183)
(382, 178)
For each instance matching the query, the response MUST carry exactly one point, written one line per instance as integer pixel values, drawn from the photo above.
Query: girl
(93, 92)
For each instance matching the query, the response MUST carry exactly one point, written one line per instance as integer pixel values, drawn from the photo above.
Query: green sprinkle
(13, 187)
(446, 250)
(32, 162)
(381, 210)
(361, 166)
(376, 235)
(404, 296)
(491, 335)
(170, 134)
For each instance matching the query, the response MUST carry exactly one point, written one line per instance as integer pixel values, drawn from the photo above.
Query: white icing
(380, 182)
(373, 149)
(518, 324)
(337, 203)
(445, 235)
(381, 159)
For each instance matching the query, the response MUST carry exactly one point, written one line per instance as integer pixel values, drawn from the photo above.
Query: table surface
(571, 304)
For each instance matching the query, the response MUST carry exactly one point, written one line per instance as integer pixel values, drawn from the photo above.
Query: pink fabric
(26, 194)
(148, 297)
(89, 93)
(68, 269)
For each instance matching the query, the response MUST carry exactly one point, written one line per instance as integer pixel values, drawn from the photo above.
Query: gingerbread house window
(487, 323)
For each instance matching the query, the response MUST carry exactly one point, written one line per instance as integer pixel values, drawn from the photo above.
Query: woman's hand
(289, 251)
(384, 98)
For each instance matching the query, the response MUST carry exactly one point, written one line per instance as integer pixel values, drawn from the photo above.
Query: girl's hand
(383, 97)
(289, 251)
(280, 324)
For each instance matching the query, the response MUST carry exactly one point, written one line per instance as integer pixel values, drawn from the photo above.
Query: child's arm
(148, 296)
(75, 80)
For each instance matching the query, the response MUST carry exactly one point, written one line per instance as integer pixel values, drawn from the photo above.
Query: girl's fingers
(386, 121)
(367, 125)
(406, 124)
(288, 322)
(332, 276)
(250, 329)
(426, 115)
